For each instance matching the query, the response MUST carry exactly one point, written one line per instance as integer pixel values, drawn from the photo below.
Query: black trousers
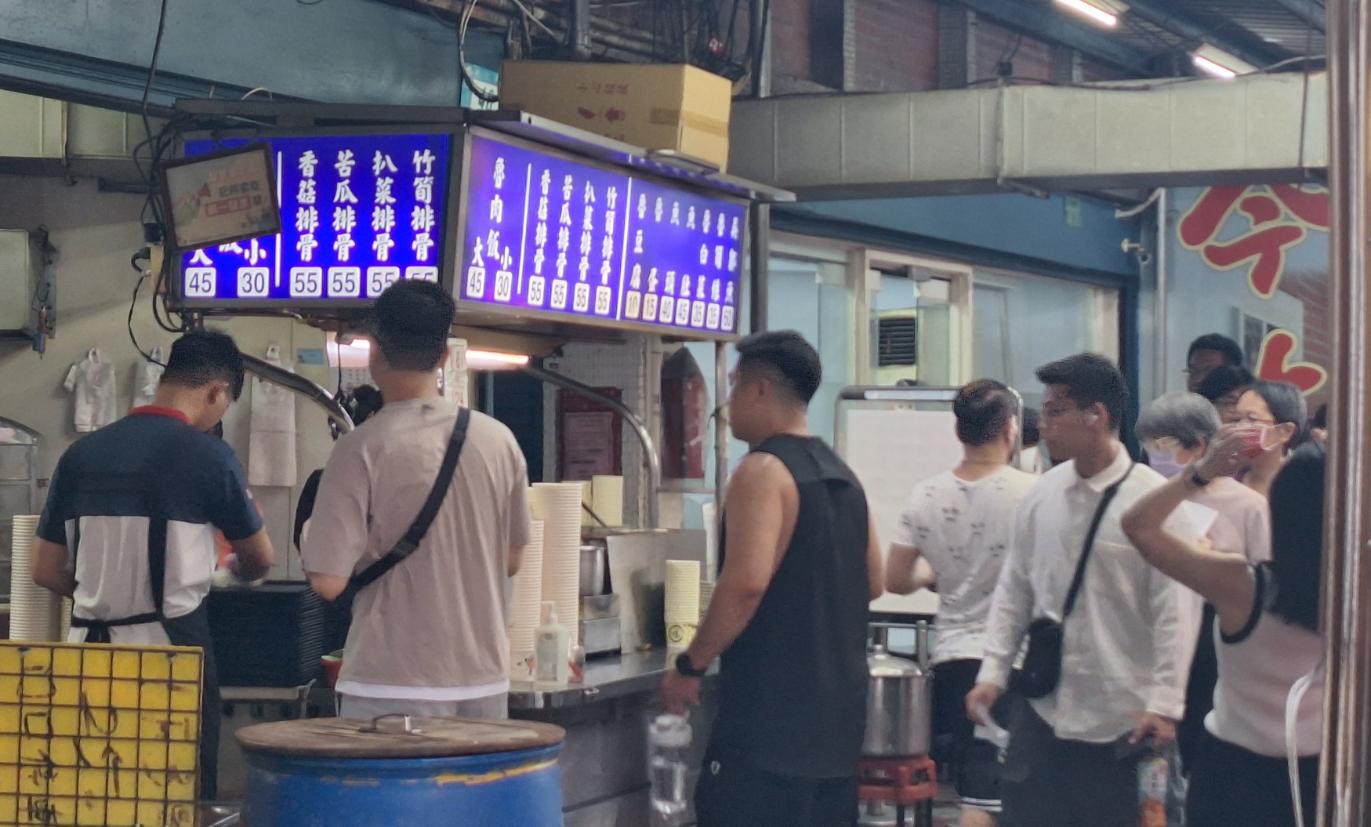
(1230, 785)
(1053, 782)
(732, 793)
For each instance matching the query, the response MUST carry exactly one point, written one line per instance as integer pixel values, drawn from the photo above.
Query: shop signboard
(548, 235)
(1252, 262)
(358, 213)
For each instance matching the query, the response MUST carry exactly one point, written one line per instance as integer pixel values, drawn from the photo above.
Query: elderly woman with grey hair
(1176, 431)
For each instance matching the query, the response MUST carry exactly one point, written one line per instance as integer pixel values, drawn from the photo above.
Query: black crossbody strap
(420, 526)
(1095, 521)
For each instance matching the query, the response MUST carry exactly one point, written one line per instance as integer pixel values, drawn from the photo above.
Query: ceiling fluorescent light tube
(1204, 64)
(1086, 9)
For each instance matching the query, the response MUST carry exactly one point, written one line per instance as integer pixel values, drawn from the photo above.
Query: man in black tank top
(800, 563)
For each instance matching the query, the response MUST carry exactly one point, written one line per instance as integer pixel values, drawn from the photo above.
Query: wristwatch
(1195, 479)
(685, 667)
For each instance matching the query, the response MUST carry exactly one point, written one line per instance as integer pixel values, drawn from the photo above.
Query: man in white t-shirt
(960, 522)
(428, 638)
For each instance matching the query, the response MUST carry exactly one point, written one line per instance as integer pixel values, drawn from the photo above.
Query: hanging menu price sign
(358, 213)
(551, 236)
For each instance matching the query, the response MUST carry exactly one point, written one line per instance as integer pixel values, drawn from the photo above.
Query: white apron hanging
(149, 375)
(271, 431)
(92, 382)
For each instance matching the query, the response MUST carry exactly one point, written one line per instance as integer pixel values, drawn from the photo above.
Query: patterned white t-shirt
(963, 530)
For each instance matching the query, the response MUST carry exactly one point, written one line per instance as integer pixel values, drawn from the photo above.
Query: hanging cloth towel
(271, 431)
(92, 382)
(149, 375)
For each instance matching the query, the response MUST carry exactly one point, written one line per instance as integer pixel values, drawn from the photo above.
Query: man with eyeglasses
(1125, 641)
(1210, 351)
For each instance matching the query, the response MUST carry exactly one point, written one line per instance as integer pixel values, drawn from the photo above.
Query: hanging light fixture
(1215, 61)
(1097, 11)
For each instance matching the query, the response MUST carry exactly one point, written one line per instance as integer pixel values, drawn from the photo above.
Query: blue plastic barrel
(349, 777)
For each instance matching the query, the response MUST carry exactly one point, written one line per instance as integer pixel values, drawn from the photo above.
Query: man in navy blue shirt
(128, 529)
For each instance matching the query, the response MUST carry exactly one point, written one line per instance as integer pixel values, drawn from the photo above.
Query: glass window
(1022, 322)
(812, 297)
(911, 330)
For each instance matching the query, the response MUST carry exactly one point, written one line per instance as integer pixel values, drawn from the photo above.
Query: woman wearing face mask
(1276, 414)
(1177, 430)
(1267, 639)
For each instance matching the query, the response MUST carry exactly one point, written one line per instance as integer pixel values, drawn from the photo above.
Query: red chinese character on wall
(1274, 364)
(1279, 217)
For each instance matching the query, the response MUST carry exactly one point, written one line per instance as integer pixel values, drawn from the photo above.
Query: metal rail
(650, 456)
(292, 381)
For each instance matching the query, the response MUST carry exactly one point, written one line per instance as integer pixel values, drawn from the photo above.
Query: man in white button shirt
(1127, 642)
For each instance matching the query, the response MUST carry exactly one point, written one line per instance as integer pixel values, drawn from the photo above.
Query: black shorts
(1053, 782)
(733, 793)
(974, 763)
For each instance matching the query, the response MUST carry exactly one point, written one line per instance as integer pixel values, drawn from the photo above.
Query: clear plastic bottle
(1152, 779)
(668, 745)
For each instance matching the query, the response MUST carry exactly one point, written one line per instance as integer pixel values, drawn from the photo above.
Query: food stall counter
(606, 679)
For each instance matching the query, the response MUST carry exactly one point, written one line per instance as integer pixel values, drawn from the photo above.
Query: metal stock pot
(898, 702)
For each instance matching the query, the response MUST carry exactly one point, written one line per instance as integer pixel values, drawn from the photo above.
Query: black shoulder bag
(415, 535)
(1042, 666)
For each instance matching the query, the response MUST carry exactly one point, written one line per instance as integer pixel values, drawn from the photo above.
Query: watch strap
(686, 667)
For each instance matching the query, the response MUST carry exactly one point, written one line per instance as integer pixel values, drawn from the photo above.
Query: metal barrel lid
(397, 736)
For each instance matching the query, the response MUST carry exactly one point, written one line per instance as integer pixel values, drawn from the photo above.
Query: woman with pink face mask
(1177, 430)
(1276, 414)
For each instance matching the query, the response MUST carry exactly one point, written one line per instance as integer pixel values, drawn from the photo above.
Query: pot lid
(397, 736)
(882, 664)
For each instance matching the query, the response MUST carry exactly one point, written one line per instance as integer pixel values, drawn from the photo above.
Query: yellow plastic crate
(93, 734)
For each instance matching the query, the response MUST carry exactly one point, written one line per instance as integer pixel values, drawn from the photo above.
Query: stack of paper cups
(528, 590)
(607, 499)
(558, 505)
(33, 609)
(706, 594)
(682, 602)
(65, 619)
(710, 514)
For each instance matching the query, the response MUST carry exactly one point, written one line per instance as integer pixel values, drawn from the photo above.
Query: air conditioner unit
(21, 266)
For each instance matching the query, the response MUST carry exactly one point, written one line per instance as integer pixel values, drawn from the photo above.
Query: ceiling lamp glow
(1220, 64)
(1093, 11)
(494, 360)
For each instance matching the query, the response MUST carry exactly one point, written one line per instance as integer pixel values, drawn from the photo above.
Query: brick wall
(897, 45)
(1032, 58)
(790, 39)
(1310, 287)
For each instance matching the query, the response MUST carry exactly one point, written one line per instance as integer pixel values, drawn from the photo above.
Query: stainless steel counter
(630, 673)
(606, 678)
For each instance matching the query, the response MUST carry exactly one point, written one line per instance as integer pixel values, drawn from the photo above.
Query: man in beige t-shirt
(429, 637)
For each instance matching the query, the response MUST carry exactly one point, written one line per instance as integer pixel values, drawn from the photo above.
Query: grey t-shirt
(433, 627)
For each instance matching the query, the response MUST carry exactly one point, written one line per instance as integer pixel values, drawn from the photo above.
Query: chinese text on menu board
(358, 213)
(98, 735)
(546, 234)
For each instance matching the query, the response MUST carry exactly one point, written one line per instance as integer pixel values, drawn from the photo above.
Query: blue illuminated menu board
(552, 236)
(358, 212)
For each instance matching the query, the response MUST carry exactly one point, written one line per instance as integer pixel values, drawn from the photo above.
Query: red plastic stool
(900, 781)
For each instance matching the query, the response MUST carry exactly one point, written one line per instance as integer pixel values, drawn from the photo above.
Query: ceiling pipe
(1160, 15)
(1308, 11)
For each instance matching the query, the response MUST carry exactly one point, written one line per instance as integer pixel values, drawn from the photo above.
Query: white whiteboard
(892, 449)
